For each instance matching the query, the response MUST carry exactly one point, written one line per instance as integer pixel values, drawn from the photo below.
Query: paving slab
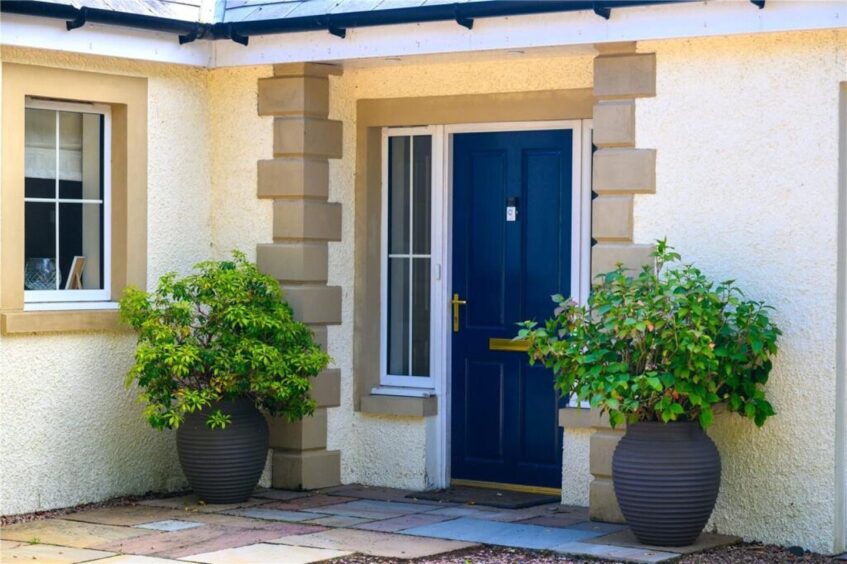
(136, 559)
(572, 510)
(125, 515)
(279, 495)
(618, 553)
(309, 502)
(69, 533)
(9, 544)
(265, 553)
(275, 514)
(170, 525)
(379, 493)
(193, 503)
(224, 520)
(504, 534)
(705, 541)
(169, 544)
(342, 509)
(555, 520)
(374, 509)
(488, 514)
(339, 521)
(403, 522)
(372, 543)
(46, 553)
(599, 527)
(207, 539)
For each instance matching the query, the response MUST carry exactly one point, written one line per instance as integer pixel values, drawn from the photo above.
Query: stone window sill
(403, 406)
(59, 321)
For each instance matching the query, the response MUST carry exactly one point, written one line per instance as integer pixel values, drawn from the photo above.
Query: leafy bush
(664, 345)
(223, 332)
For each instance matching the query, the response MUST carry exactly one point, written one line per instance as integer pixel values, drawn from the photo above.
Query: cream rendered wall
(239, 138)
(576, 476)
(69, 431)
(389, 451)
(747, 137)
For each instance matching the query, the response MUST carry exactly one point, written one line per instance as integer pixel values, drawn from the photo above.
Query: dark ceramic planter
(224, 465)
(666, 479)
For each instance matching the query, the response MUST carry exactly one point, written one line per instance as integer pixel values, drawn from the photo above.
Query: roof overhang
(380, 41)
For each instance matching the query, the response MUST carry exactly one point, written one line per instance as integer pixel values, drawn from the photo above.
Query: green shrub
(221, 333)
(665, 345)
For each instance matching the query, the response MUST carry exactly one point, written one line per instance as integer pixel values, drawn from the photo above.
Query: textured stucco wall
(576, 476)
(746, 132)
(239, 138)
(390, 450)
(69, 431)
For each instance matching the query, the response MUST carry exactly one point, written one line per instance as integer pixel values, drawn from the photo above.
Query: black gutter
(77, 17)
(337, 24)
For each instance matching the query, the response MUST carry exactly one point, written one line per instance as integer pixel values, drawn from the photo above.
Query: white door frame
(438, 471)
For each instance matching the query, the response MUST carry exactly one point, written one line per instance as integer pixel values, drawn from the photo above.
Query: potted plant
(214, 347)
(658, 351)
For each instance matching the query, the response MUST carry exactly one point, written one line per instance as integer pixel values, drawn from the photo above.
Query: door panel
(504, 412)
(487, 233)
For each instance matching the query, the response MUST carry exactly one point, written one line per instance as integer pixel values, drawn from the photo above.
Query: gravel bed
(745, 553)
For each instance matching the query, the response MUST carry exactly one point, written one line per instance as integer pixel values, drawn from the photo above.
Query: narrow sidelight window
(66, 203)
(407, 265)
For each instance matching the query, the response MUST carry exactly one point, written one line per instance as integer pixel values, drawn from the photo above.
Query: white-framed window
(411, 256)
(67, 208)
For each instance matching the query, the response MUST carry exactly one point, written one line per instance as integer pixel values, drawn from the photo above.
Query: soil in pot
(666, 479)
(224, 465)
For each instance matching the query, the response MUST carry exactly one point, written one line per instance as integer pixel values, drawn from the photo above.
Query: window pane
(398, 316)
(80, 156)
(80, 246)
(39, 246)
(422, 193)
(40, 154)
(70, 155)
(398, 194)
(420, 317)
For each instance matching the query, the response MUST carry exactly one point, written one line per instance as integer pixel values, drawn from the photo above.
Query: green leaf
(221, 332)
(663, 343)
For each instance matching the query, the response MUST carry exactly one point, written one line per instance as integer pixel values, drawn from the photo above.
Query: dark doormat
(504, 499)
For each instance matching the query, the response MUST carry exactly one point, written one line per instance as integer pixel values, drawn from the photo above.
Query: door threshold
(508, 487)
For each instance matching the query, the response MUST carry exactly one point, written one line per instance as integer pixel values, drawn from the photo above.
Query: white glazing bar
(411, 245)
(56, 201)
(64, 200)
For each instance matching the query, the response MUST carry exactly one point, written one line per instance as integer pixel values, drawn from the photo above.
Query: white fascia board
(695, 19)
(97, 39)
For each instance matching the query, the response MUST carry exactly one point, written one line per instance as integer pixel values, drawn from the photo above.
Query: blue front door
(506, 266)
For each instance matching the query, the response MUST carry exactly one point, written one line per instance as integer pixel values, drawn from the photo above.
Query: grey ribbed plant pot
(224, 465)
(666, 479)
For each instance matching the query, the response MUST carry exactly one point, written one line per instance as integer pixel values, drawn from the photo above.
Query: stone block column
(304, 221)
(620, 171)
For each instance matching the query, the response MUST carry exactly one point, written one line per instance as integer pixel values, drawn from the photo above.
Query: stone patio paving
(298, 527)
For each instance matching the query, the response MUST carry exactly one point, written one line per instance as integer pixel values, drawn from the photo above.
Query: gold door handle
(456, 302)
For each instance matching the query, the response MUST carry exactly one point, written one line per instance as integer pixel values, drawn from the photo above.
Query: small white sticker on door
(511, 213)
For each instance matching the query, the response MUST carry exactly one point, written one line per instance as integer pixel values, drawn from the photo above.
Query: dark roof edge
(77, 17)
(337, 24)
